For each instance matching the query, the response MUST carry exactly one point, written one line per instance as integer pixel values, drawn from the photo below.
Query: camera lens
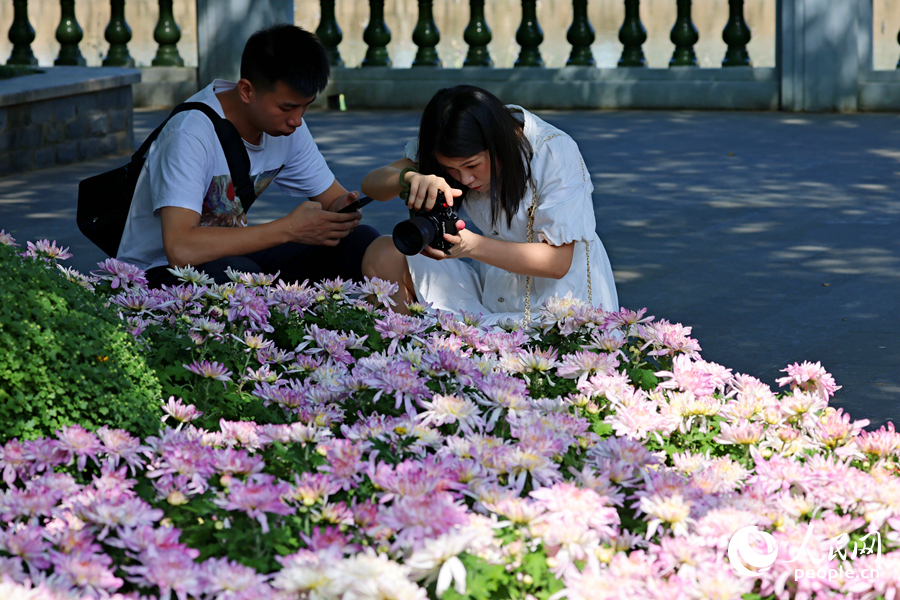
(411, 236)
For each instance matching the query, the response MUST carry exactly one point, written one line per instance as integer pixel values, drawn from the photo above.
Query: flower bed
(316, 445)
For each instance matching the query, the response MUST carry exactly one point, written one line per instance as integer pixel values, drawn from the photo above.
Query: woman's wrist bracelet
(404, 185)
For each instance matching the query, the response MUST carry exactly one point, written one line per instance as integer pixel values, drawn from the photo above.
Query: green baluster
(167, 35)
(684, 36)
(529, 36)
(736, 35)
(632, 35)
(330, 33)
(376, 36)
(477, 35)
(68, 34)
(118, 34)
(21, 34)
(426, 36)
(898, 41)
(581, 36)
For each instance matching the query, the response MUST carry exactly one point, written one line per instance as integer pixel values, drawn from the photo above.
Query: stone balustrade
(823, 56)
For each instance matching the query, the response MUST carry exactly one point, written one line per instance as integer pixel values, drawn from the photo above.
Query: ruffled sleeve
(565, 211)
(412, 150)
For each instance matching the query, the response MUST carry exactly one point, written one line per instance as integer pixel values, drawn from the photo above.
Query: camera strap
(529, 237)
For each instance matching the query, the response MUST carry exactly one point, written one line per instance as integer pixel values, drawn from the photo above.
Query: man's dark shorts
(296, 262)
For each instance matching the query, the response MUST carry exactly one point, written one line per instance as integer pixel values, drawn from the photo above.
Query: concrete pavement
(774, 235)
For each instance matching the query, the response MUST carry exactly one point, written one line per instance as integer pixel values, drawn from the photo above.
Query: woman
(523, 183)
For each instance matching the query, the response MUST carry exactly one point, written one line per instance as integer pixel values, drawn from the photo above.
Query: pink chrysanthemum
(580, 365)
(47, 250)
(398, 379)
(7, 239)
(257, 497)
(79, 443)
(230, 580)
(381, 289)
(179, 411)
(669, 339)
(344, 461)
(880, 443)
(26, 542)
(809, 377)
(172, 570)
(420, 517)
(210, 370)
(88, 574)
(120, 274)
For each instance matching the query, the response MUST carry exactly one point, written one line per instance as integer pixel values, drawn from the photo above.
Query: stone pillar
(223, 27)
(822, 48)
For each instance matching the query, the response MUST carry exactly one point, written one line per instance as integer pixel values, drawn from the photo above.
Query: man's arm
(335, 197)
(186, 243)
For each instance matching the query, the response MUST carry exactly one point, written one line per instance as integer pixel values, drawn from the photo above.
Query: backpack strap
(232, 145)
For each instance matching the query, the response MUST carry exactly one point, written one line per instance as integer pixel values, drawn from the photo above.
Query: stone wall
(65, 115)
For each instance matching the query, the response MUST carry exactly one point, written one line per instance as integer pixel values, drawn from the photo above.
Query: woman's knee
(383, 260)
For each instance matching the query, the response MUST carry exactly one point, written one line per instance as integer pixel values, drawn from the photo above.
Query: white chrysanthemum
(10, 590)
(308, 574)
(443, 409)
(189, 274)
(717, 581)
(673, 510)
(438, 559)
(372, 576)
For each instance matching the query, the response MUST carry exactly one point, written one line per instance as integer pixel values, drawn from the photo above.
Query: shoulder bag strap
(530, 238)
(232, 145)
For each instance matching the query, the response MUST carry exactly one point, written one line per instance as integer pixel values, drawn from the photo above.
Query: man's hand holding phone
(356, 204)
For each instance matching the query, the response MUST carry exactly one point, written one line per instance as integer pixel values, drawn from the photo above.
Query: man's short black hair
(286, 53)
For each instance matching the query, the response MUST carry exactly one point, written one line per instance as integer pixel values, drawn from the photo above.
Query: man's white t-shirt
(186, 167)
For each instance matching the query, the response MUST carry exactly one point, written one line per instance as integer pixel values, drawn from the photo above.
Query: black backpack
(104, 200)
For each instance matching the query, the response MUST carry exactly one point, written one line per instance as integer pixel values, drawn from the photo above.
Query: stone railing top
(54, 82)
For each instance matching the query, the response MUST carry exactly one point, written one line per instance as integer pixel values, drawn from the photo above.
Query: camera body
(426, 228)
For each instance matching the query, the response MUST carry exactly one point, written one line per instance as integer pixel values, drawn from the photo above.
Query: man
(185, 210)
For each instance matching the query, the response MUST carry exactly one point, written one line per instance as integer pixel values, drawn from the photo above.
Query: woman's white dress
(564, 214)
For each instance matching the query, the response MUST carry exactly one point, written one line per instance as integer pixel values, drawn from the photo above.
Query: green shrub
(65, 358)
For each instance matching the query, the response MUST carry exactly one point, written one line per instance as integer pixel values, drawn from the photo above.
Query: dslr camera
(426, 228)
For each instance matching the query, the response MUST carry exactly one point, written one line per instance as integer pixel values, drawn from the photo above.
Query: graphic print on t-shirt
(222, 207)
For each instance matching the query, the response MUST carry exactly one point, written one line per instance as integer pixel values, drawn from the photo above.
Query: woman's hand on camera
(462, 244)
(423, 191)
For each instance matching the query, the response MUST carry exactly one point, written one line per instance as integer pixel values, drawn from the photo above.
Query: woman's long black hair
(462, 121)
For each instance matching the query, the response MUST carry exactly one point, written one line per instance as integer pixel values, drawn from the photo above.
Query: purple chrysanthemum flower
(398, 379)
(381, 289)
(210, 370)
(79, 279)
(257, 497)
(178, 410)
(45, 454)
(47, 250)
(445, 363)
(417, 518)
(120, 274)
(80, 443)
(121, 446)
(169, 569)
(14, 460)
(247, 303)
(7, 240)
(138, 301)
(396, 327)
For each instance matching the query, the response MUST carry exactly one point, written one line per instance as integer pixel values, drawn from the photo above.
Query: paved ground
(775, 236)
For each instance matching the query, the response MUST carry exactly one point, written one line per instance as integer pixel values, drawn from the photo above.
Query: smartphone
(356, 205)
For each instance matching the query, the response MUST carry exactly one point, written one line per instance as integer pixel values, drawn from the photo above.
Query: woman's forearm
(536, 259)
(384, 183)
